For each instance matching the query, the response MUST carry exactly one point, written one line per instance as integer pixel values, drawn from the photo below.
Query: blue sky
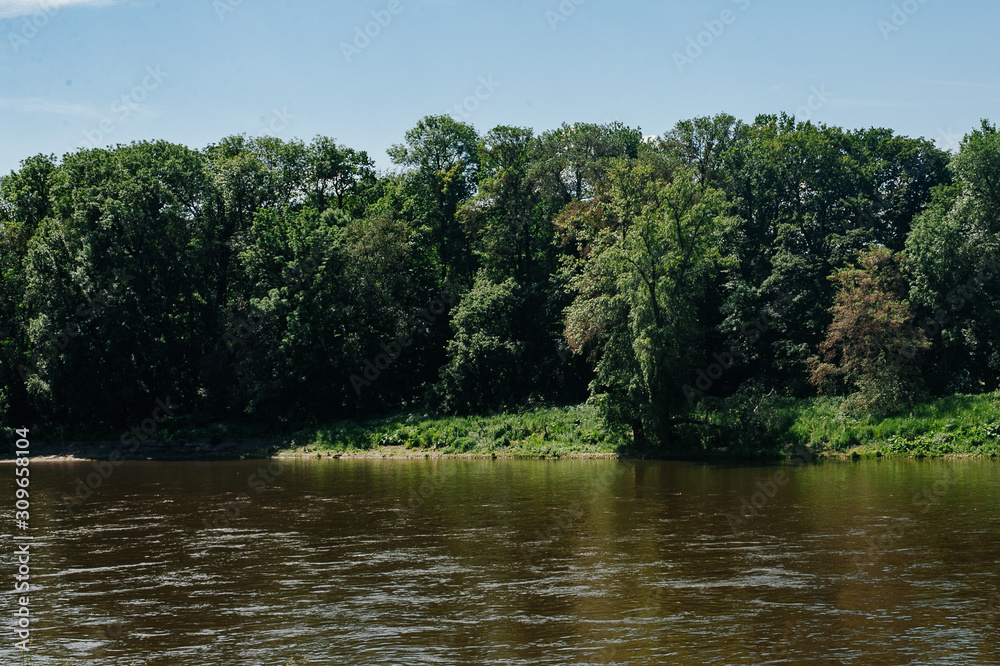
(99, 72)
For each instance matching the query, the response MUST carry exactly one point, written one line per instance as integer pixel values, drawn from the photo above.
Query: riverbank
(959, 426)
(564, 432)
(558, 432)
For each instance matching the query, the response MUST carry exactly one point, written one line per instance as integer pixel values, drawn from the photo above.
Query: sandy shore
(402, 452)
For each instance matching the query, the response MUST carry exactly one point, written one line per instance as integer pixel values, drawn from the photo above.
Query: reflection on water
(514, 562)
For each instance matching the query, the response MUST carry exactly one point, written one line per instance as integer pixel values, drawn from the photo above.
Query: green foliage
(810, 197)
(958, 424)
(486, 357)
(25, 200)
(744, 425)
(977, 166)
(512, 232)
(442, 155)
(541, 432)
(263, 281)
(701, 145)
(116, 283)
(339, 175)
(637, 303)
(954, 251)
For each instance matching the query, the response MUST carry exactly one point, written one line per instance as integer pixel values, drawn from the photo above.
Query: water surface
(513, 562)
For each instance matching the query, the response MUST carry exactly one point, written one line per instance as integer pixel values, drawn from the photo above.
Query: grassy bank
(550, 432)
(967, 425)
(961, 425)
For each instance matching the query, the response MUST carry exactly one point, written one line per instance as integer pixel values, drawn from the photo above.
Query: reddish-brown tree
(872, 347)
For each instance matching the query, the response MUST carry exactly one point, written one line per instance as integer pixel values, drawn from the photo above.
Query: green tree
(339, 174)
(486, 355)
(572, 159)
(442, 157)
(321, 293)
(636, 307)
(25, 200)
(701, 144)
(505, 217)
(116, 283)
(978, 166)
(955, 266)
(811, 197)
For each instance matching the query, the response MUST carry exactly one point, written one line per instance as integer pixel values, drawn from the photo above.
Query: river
(305, 561)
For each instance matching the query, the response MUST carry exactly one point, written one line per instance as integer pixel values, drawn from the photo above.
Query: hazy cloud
(12, 8)
(960, 84)
(37, 104)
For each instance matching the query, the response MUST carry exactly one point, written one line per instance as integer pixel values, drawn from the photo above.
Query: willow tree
(636, 306)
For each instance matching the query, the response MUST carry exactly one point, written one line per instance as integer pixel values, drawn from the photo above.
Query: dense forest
(666, 280)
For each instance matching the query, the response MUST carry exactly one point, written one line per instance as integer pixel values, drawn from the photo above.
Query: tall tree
(442, 156)
(339, 174)
(701, 144)
(25, 200)
(636, 307)
(954, 251)
(116, 275)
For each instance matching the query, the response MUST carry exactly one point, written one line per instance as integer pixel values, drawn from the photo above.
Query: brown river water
(304, 561)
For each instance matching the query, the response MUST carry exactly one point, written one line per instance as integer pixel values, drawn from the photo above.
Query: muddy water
(511, 562)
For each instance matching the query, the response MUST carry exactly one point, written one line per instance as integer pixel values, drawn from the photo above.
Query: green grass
(959, 424)
(956, 425)
(549, 432)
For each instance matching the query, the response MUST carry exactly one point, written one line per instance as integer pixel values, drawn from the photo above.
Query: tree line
(664, 279)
